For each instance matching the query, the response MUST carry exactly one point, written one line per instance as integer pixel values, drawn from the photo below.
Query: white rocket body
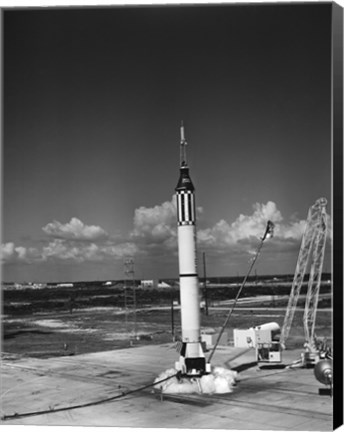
(192, 360)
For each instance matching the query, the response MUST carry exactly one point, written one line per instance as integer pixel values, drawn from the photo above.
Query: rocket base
(192, 366)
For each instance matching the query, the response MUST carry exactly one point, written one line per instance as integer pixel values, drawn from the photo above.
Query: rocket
(192, 361)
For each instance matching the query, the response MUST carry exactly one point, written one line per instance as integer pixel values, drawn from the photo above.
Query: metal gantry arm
(315, 277)
(313, 239)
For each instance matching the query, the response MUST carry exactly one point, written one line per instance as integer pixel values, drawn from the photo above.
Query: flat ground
(60, 360)
(73, 390)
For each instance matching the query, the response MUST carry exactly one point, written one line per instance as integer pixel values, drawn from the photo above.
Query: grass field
(106, 328)
(91, 317)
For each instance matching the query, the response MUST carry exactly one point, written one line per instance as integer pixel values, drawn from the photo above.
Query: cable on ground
(49, 411)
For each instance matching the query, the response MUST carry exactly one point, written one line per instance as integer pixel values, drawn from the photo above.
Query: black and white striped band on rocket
(186, 208)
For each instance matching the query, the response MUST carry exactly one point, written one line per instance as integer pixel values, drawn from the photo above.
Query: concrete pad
(282, 399)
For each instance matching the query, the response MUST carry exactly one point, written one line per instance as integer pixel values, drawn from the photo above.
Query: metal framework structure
(313, 244)
(130, 291)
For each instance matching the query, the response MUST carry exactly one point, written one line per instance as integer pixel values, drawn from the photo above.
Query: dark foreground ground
(89, 330)
(91, 318)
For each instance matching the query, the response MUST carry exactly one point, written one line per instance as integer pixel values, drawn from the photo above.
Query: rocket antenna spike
(183, 144)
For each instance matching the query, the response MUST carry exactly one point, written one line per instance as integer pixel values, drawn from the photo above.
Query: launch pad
(285, 399)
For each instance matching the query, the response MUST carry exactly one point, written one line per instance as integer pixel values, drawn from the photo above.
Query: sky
(93, 100)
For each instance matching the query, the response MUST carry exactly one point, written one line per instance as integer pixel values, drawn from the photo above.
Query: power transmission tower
(130, 291)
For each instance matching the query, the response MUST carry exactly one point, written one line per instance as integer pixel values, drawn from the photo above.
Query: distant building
(39, 285)
(65, 285)
(148, 283)
(163, 284)
(154, 283)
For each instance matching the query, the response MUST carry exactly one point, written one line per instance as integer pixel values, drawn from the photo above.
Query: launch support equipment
(313, 244)
(260, 332)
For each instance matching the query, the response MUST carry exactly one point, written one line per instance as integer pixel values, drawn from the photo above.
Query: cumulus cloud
(73, 251)
(66, 251)
(252, 225)
(293, 230)
(155, 230)
(154, 234)
(10, 253)
(78, 242)
(245, 229)
(75, 230)
(155, 223)
(241, 237)
(70, 242)
(156, 227)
